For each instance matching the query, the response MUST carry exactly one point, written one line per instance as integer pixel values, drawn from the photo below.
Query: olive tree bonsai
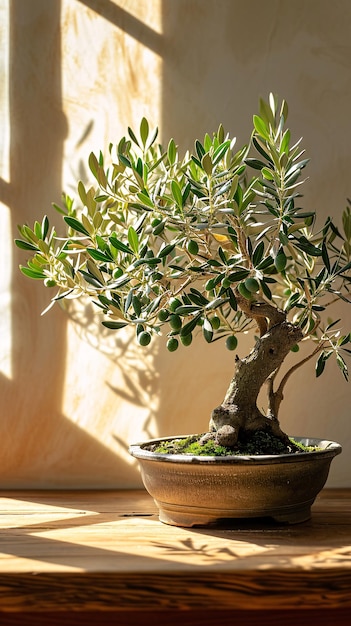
(214, 243)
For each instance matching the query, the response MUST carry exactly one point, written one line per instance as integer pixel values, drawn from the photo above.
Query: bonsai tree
(213, 243)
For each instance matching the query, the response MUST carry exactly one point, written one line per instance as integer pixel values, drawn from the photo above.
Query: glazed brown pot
(197, 490)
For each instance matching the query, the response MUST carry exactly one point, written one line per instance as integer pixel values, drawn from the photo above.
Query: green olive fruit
(172, 344)
(49, 282)
(192, 247)
(144, 338)
(226, 283)
(215, 322)
(163, 315)
(295, 348)
(231, 342)
(252, 285)
(175, 322)
(244, 291)
(174, 303)
(186, 339)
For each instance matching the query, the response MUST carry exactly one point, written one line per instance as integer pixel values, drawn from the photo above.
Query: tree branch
(260, 312)
(275, 398)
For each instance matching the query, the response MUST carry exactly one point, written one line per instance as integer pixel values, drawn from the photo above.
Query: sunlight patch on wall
(5, 220)
(113, 389)
(111, 77)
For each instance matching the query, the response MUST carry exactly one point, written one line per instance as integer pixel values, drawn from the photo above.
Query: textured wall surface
(75, 74)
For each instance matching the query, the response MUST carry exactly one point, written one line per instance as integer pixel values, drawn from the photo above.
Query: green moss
(259, 442)
(302, 447)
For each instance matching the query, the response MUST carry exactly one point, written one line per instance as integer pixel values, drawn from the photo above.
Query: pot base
(189, 516)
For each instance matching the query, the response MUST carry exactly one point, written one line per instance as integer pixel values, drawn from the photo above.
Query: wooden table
(102, 557)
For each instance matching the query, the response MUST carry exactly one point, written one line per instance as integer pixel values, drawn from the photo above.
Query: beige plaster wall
(76, 74)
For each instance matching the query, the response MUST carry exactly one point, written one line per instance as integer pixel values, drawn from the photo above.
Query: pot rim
(328, 449)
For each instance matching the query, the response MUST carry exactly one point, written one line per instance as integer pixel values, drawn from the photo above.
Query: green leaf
(144, 130)
(261, 149)
(24, 245)
(266, 112)
(189, 327)
(207, 142)
(145, 199)
(266, 290)
(136, 305)
(325, 256)
(82, 193)
(345, 339)
(233, 187)
(307, 247)
(206, 163)
(255, 163)
(346, 222)
(30, 273)
(94, 271)
(284, 110)
(119, 245)
(260, 127)
(207, 330)
(120, 282)
(97, 255)
(133, 239)
(177, 193)
(133, 136)
(220, 152)
(284, 146)
(172, 152)
(123, 159)
(91, 279)
(45, 226)
(222, 255)
(200, 150)
(267, 173)
(342, 366)
(258, 254)
(217, 302)
(163, 252)
(59, 209)
(186, 309)
(267, 262)
(320, 365)
(235, 277)
(76, 225)
(93, 164)
(280, 260)
(114, 325)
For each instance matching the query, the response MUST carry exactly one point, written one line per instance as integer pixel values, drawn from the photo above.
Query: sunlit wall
(75, 74)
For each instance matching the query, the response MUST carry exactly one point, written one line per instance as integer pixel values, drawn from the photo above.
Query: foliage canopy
(188, 244)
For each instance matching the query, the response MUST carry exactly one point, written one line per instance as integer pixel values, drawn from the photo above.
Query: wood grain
(336, 617)
(105, 553)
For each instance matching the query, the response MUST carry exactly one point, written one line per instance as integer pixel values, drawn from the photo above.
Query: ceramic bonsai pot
(198, 490)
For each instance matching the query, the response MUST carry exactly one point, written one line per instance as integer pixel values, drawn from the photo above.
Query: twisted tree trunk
(238, 415)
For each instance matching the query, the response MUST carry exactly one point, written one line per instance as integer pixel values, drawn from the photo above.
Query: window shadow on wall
(40, 445)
